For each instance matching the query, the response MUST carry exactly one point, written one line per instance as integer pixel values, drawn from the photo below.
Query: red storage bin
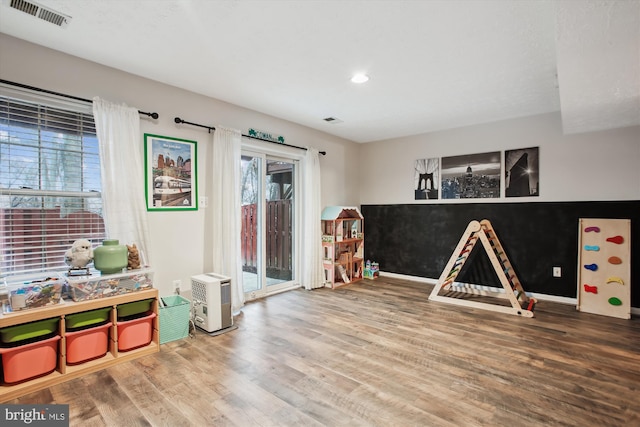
(135, 333)
(87, 344)
(30, 360)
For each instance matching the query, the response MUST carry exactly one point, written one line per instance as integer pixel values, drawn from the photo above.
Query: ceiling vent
(332, 120)
(39, 11)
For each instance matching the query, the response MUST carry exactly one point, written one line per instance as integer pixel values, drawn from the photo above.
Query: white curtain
(312, 270)
(122, 174)
(226, 210)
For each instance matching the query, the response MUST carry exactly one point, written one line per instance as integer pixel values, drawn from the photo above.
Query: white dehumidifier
(212, 302)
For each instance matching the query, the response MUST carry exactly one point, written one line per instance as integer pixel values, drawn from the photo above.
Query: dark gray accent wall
(418, 239)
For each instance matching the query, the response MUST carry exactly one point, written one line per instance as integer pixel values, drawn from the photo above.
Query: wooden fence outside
(40, 237)
(33, 238)
(278, 236)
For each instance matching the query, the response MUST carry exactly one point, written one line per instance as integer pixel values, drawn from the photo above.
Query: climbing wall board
(604, 267)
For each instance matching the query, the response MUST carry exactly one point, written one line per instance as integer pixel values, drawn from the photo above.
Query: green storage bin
(27, 331)
(174, 318)
(133, 308)
(87, 318)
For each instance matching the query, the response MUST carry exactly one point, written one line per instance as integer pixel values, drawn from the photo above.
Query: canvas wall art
(472, 176)
(426, 178)
(171, 175)
(522, 172)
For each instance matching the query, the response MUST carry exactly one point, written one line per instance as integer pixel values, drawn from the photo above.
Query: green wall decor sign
(254, 133)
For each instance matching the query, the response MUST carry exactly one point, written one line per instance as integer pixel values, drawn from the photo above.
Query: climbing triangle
(482, 231)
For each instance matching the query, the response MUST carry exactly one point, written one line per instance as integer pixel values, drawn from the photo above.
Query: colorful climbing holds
(616, 239)
(591, 289)
(531, 304)
(615, 279)
(603, 249)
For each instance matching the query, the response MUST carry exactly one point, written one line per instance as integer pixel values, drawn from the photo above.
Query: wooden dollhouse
(342, 245)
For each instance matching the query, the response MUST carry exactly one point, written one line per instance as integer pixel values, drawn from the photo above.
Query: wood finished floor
(375, 354)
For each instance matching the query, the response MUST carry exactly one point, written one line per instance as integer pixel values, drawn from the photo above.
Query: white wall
(180, 243)
(594, 166)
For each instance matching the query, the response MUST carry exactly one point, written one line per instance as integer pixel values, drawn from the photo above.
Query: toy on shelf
(94, 287)
(78, 257)
(36, 293)
(133, 257)
(371, 270)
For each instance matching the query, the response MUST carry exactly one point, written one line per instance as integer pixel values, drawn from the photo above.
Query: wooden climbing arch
(521, 304)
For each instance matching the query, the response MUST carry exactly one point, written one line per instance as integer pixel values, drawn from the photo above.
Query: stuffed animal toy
(80, 254)
(133, 257)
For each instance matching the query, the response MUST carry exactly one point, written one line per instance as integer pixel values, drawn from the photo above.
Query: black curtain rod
(37, 89)
(210, 128)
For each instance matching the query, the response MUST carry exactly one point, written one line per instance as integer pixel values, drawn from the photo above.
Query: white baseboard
(539, 297)
(407, 277)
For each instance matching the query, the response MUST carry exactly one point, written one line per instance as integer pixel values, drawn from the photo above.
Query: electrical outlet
(557, 272)
(202, 201)
(177, 284)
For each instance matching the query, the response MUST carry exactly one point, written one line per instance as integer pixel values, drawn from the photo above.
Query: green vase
(110, 258)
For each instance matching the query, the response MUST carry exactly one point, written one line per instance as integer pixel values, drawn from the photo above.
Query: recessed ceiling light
(360, 78)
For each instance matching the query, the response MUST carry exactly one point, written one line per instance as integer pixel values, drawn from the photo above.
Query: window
(49, 182)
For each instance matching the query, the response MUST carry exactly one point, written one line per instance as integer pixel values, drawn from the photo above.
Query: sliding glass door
(268, 223)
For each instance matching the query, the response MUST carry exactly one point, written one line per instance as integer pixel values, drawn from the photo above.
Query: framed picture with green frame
(171, 173)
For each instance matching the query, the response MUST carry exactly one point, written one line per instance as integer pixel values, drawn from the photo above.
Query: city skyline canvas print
(471, 176)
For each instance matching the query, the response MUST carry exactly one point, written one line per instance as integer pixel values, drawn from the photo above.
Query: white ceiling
(433, 64)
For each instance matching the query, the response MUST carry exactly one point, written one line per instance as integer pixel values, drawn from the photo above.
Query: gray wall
(181, 244)
(592, 175)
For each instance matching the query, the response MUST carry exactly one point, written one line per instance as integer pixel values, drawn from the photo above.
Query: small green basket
(133, 308)
(174, 318)
(87, 318)
(30, 330)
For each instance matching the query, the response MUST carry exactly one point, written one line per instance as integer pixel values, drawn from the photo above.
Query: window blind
(49, 184)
